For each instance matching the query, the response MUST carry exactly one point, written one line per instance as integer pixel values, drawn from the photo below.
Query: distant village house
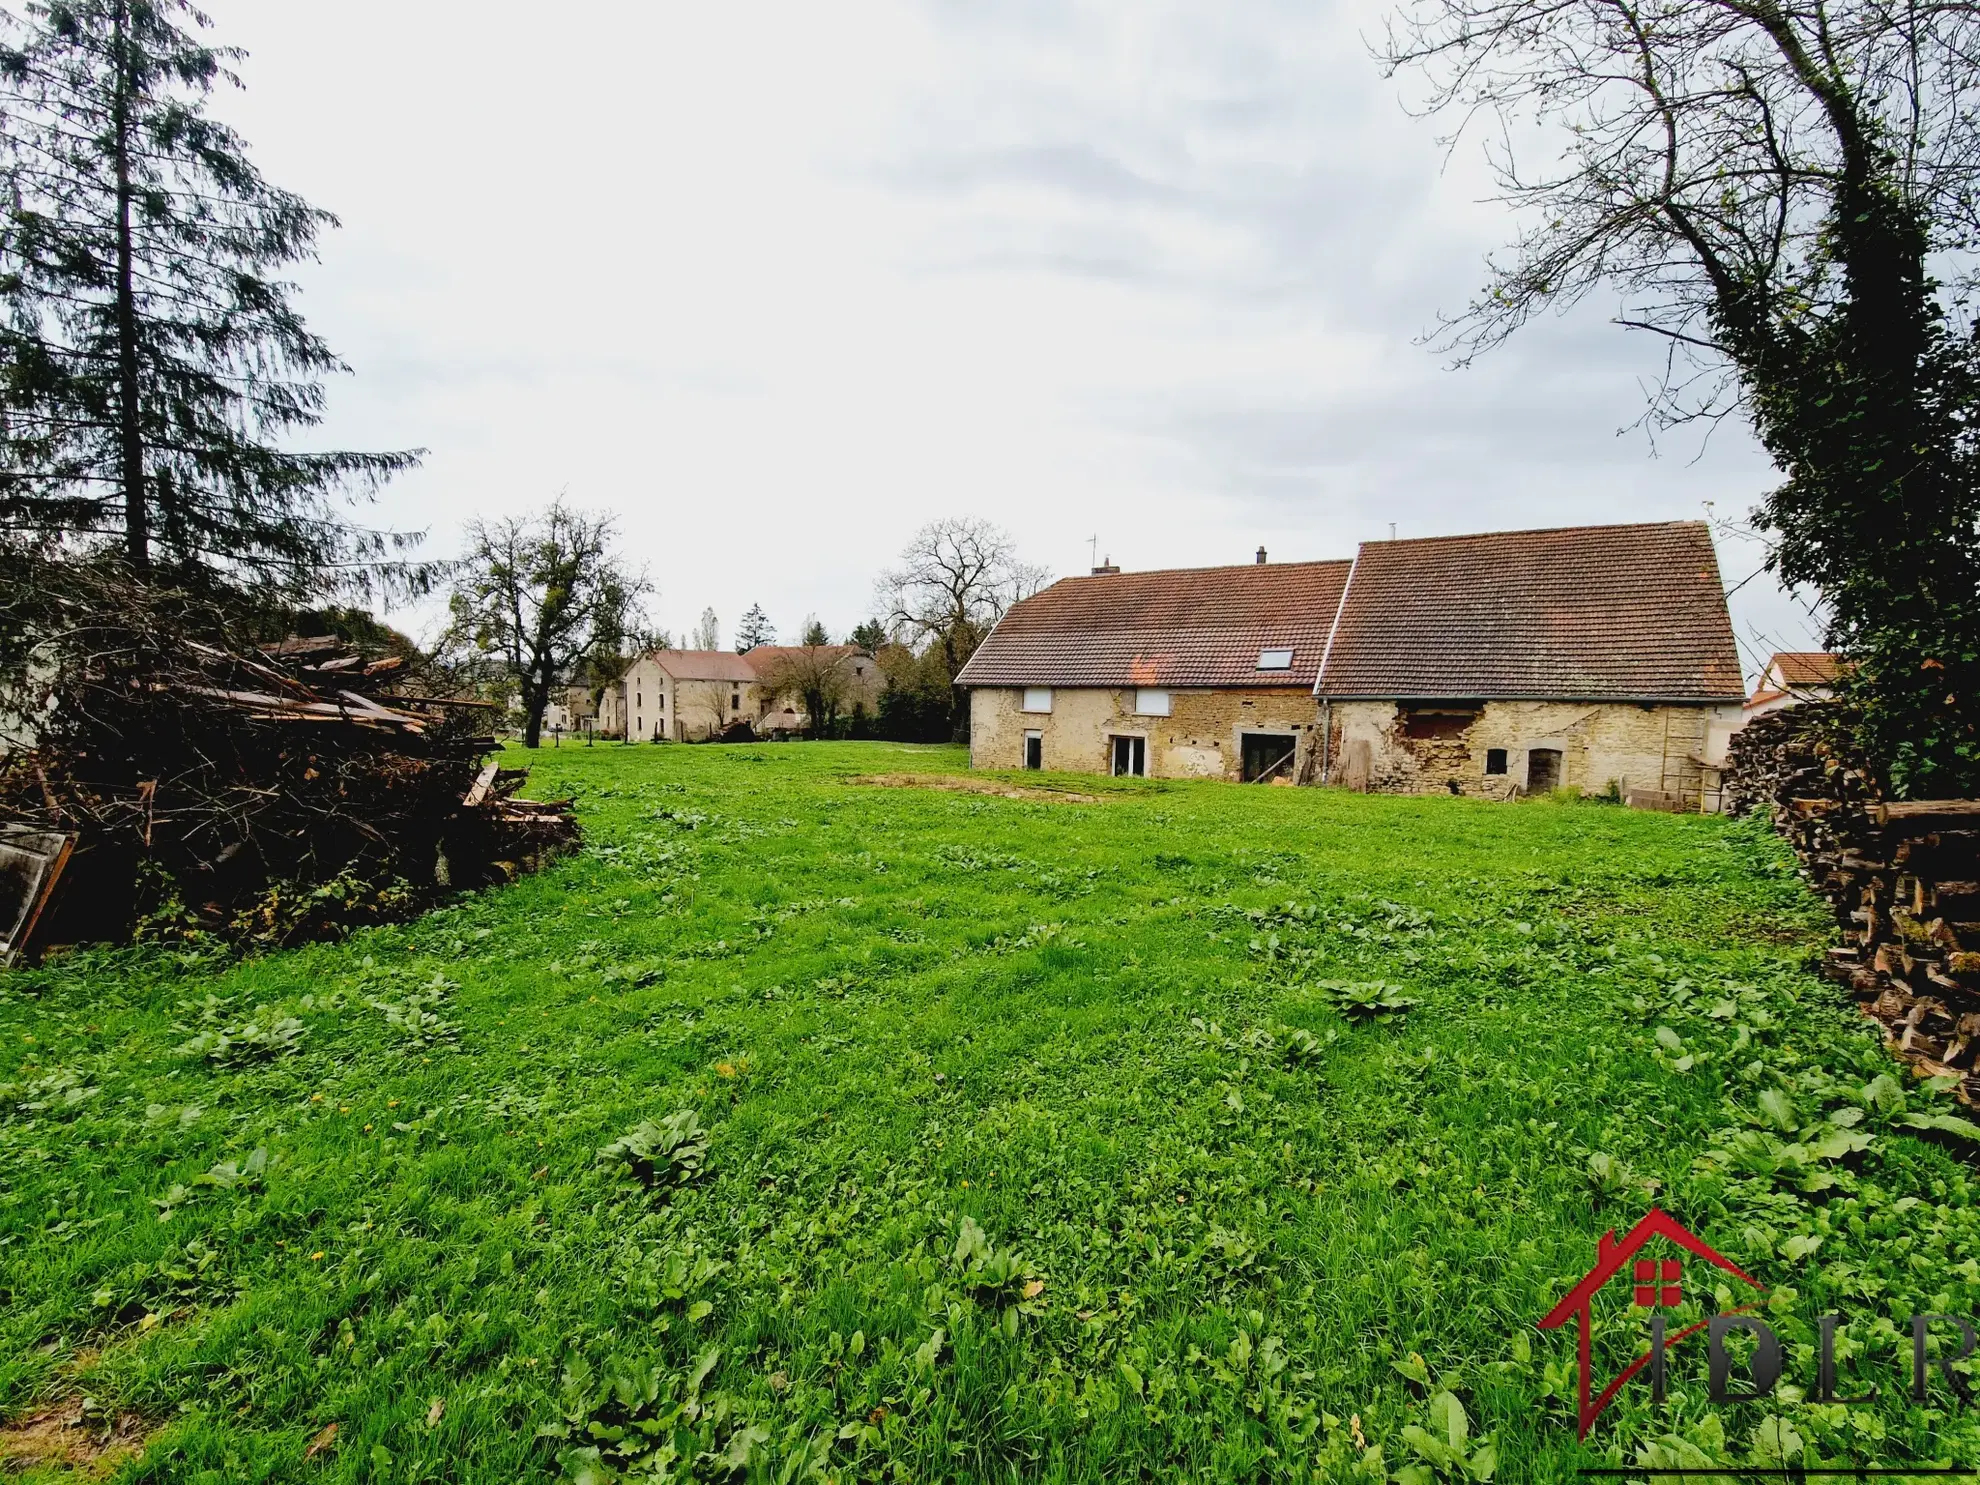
(1792, 677)
(694, 695)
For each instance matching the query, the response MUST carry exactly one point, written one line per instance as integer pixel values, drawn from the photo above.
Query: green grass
(1038, 1144)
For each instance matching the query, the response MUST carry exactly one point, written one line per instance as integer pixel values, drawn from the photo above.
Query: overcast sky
(776, 283)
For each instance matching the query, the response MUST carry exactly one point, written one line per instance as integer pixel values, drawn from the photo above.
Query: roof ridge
(1399, 541)
(1137, 572)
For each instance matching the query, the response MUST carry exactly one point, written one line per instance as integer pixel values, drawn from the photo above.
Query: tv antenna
(1093, 541)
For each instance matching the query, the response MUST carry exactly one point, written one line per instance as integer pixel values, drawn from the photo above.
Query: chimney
(1107, 568)
(1261, 556)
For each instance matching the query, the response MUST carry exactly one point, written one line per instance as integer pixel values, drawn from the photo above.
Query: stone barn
(1483, 665)
(1577, 658)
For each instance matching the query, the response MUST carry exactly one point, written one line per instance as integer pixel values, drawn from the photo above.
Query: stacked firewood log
(267, 794)
(1902, 877)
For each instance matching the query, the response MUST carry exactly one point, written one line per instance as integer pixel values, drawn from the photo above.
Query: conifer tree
(755, 629)
(151, 360)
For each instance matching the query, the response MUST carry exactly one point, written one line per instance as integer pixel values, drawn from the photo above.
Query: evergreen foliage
(918, 702)
(152, 363)
(755, 629)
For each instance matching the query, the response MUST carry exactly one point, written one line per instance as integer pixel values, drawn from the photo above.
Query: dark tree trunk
(137, 537)
(536, 698)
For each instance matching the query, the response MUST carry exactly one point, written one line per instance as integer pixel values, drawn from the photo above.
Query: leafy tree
(755, 629)
(870, 636)
(819, 677)
(152, 364)
(957, 577)
(610, 660)
(1772, 190)
(708, 633)
(545, 595)
(814, 632)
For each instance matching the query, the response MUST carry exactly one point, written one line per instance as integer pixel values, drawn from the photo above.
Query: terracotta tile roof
(1805, 667)
(1589, 612)
(1199, 626)
(703, 665)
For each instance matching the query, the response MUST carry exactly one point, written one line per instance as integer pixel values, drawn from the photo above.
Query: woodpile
(266, 794)
(1902, 877)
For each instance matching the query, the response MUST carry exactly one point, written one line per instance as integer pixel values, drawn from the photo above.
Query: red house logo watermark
(1655, 1283)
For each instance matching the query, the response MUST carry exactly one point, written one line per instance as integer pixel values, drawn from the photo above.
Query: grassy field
(812, 1128)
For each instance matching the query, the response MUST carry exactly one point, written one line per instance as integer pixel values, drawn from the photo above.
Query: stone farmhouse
(690, 695)
(1484, 665)
(677, 695)
(1201, 672)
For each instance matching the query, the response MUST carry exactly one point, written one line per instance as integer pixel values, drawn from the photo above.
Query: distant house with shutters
(1482, 665)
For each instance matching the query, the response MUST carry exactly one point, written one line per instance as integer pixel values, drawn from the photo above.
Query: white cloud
(776, 282)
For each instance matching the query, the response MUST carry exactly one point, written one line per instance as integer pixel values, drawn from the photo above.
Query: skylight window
(1275, 659)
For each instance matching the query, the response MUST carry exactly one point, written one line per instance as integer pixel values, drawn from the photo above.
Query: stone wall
(1381, 746)
(1198, 740)
(1393, 748)
(700, 709)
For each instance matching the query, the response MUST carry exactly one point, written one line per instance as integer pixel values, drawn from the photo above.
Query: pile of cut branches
(266, 794)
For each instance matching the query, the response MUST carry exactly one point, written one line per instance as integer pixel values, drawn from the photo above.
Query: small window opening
(1275, 659)
(1495, 760)
(1034, 750)
(1037, 699)
(1151, 703)
(1130, 757)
